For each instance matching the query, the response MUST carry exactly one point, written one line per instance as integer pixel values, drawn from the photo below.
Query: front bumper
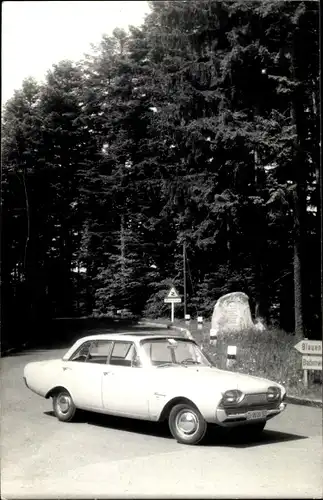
(240, 416)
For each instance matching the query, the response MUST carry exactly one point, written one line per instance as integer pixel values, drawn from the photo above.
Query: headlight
(273, 393)
(232, 397)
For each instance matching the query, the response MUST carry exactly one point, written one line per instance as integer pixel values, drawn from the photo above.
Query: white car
(154, 377)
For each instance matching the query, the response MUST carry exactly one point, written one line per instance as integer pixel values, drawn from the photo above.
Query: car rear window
(93, 352)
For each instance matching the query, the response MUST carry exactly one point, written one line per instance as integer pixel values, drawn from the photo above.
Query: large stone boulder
(231, 313)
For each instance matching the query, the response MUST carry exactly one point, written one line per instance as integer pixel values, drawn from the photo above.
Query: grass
(269, 354)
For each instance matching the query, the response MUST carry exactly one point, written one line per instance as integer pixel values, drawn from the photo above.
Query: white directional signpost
(173, 298)
(312, 363)
(312, 356)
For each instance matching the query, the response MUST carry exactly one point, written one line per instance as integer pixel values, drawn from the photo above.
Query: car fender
(161, 402)
(42, 376)
(55, 390)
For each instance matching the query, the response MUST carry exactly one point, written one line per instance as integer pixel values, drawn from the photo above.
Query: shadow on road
(121, 424)
(239, 439)
(215, 436)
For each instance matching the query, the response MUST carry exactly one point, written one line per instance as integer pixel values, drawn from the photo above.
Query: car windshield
(174, 352)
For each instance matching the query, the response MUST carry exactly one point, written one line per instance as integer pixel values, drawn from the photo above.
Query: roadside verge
(289, 399)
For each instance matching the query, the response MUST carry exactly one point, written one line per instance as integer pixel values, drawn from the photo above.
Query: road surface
(101, 456)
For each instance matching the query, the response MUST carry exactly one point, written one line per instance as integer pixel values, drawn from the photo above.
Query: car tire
(186, 424)
(63, 406)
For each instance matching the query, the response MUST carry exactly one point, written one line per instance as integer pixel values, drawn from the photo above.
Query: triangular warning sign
(172, 293)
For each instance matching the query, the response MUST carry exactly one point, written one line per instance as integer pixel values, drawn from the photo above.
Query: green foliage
(201, 126)
(269, 354)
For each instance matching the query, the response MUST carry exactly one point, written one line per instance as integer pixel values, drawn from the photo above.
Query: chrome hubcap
(187, 422)
(64, 403)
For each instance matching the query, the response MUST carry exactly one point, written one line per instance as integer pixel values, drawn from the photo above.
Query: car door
(125, 382)
(83, 373)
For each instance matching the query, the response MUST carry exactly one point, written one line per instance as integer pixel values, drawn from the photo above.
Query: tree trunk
(28, 219)
(260, 244)
(122, 246)
(298, 296)
(90, 299)
(299, 192)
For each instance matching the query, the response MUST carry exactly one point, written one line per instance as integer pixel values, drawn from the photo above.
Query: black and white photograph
(161, 249)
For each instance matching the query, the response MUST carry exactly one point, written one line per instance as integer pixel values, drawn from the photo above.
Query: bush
(268, 354)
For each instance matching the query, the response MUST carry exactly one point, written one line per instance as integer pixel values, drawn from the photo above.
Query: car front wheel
(63, 406)
(186, 424)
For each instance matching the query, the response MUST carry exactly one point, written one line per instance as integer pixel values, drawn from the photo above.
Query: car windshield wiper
(190, 362)
(162, 365)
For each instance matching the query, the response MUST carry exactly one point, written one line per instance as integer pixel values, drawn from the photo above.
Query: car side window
(96, 351)
(124, 354)
(100, 351)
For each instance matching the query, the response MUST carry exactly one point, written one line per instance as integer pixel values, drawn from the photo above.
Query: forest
(199, 130)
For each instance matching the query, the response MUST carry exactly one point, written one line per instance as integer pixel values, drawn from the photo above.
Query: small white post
(231, 356)
(200, 319)
(305, 374)
(213, 336)
(172, 313)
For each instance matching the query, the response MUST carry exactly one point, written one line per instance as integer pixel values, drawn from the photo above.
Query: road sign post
(312, 356)
(172, 298)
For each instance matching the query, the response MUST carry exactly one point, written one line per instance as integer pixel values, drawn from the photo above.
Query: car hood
(218, 379)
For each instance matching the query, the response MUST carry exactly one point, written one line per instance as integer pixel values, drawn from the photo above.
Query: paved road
(101, 456)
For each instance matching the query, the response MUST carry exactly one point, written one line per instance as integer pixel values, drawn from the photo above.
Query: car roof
(132, 336)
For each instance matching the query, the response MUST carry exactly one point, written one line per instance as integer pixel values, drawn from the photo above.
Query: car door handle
(107, 373)
(66, 368)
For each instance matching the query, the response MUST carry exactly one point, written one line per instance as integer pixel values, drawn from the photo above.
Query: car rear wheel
(186, 424)
(63, 406)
